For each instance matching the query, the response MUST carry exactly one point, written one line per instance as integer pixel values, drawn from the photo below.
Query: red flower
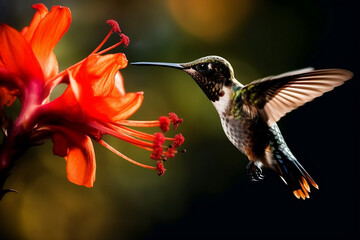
(94, 104)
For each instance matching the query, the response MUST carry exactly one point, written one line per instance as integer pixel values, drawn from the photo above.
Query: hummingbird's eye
(203, 67)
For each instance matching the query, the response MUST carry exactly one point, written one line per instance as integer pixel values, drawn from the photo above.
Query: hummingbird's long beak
(161, 64)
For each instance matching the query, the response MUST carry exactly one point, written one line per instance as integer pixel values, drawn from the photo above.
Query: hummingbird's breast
(237, 132)
(248, 134)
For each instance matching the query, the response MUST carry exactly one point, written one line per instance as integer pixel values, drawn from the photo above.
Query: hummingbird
(249, 113)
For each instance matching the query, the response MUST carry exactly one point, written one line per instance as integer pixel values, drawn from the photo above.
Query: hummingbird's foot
(254, 172)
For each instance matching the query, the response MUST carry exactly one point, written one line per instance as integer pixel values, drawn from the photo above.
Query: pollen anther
(114, 25)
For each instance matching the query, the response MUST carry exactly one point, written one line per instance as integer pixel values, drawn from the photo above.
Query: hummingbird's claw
(254, 172)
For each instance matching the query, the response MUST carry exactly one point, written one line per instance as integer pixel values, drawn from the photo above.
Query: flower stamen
(164, 123)
(157, 153)
(175, 119)
(124, 40)
(178, 141)
(115, 26)
(108, 146)
(116, 29)
(160, 168)
(135, 123)
(102, 43)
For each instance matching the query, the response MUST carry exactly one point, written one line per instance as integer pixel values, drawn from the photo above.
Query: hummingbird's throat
(212, 89)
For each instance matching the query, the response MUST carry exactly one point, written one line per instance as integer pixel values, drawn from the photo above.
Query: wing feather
(275, 96)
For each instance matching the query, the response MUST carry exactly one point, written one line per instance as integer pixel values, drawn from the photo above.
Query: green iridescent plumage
(236, 98)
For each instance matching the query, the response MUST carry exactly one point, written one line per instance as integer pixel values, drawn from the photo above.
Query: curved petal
(81, 163)
(122, 107)
(17, 56)
(66, 106)
(119, 84)
(113, 109)
(98, 87)
(41, 12)
(47, 34)
(79, 153)
(96, 91)
(100, 73)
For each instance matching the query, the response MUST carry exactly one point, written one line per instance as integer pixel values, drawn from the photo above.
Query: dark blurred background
(205, 192)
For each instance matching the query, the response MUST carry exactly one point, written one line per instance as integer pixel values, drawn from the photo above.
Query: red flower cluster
(94, 103)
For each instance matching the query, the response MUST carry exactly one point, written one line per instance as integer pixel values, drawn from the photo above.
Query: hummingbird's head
(211, 73)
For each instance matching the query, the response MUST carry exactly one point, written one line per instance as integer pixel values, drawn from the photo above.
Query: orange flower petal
(100, 73)
(96, 91)
(119, 84)
(98, 87)
(81, 163)
(123, 107)
(79, 154)
(113, 109)
(17, 56)
(47, 34)
(67, 105)
(41, 12)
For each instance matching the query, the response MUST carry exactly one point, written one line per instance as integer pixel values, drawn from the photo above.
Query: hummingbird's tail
(289, 169)
(295, 176)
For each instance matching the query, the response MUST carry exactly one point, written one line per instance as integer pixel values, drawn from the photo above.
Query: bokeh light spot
(210, 20)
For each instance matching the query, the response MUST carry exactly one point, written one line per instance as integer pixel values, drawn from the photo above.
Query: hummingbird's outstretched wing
(277, 95)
